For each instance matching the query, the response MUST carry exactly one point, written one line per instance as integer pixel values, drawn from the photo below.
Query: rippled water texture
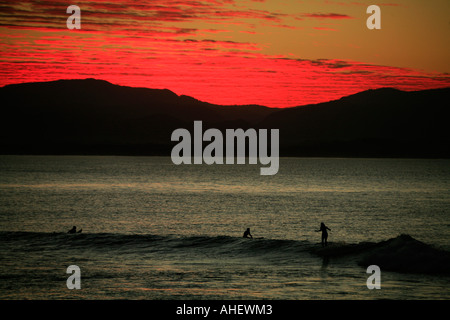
(185, 223)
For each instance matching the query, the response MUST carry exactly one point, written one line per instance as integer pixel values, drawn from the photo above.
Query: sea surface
(154, 230)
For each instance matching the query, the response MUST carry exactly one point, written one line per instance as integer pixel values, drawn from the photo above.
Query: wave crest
(400, 254)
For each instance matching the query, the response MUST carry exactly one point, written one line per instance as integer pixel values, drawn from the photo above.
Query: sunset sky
(277, 53)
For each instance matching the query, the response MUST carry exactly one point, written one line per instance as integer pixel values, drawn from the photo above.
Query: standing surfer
(324, 228)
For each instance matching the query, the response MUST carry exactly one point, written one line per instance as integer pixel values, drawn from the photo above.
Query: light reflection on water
(359, 199)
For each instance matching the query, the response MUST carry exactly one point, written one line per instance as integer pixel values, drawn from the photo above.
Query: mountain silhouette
(96, 117)
(375, 123)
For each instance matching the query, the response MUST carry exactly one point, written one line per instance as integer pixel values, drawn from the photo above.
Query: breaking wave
(400, 254)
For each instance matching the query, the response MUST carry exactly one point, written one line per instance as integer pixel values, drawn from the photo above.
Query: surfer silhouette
(247, 234)
(74, 230)
(324, 228)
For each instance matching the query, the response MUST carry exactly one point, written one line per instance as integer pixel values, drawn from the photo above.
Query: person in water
(324, 228)
(247, 234)
(74, 230)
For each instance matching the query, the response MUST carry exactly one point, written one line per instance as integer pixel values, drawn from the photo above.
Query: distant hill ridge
(96, 117)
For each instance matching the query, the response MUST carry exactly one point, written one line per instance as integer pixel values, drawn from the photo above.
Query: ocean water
(154, 230)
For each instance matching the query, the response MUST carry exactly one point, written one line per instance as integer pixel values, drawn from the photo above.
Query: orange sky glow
(269, 52)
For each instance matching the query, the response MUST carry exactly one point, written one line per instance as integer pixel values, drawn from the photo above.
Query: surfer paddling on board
(324, 228)
(74, 230)
(247, 234)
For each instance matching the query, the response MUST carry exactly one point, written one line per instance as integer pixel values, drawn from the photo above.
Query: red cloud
(143, 44)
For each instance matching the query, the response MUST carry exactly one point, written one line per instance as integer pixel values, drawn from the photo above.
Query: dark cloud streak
(327, 16)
